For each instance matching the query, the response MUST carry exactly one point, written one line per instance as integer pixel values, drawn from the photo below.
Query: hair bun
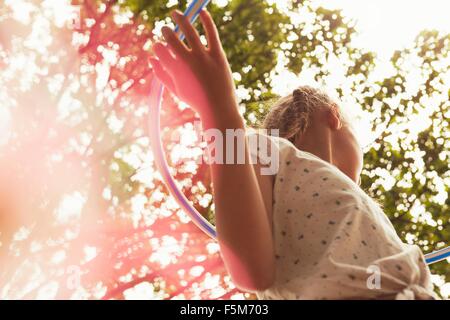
(300, 98)
(296, 93)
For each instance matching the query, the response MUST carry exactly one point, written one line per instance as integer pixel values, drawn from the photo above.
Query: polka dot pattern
(327, 232)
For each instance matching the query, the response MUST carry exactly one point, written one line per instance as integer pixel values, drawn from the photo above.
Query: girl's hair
(291, 115)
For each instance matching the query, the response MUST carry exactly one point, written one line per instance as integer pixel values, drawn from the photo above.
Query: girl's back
(332, 241)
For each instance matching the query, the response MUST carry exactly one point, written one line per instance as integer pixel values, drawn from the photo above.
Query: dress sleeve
(266, 150)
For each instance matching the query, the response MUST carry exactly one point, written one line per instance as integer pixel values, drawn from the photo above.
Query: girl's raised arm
(200, 76)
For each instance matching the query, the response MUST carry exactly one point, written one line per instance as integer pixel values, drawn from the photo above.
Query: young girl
(308, 231)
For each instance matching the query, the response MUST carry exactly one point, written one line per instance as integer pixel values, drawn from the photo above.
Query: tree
(79, 111)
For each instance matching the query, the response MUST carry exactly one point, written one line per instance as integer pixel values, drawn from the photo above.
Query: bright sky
(387, 25)
(383, 26)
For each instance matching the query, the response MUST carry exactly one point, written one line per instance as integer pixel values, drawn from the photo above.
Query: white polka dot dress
(332, 241)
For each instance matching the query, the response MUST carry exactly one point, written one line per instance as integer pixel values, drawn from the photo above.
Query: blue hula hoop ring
(157, 91)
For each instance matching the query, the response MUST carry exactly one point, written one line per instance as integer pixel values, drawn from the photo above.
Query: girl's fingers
(211, 31)
(164, 55)
(192, 36)
(162, 75)
(178, 46)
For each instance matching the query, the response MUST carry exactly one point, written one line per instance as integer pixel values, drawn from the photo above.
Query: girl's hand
(201, 77)
(198, 75)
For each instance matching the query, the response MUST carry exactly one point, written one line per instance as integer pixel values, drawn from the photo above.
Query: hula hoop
(157, 90)
(156, 94)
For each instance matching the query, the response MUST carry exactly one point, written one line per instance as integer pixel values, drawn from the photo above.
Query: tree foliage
(79, 135)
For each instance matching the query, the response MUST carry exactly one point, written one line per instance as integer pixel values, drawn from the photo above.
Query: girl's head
(315, 123)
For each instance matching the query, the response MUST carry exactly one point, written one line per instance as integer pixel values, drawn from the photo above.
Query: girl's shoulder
(282, 154)
(262, 140)
(270, 150)
(270, 138)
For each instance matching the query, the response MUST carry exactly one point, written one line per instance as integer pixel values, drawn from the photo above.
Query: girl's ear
(333, 120)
